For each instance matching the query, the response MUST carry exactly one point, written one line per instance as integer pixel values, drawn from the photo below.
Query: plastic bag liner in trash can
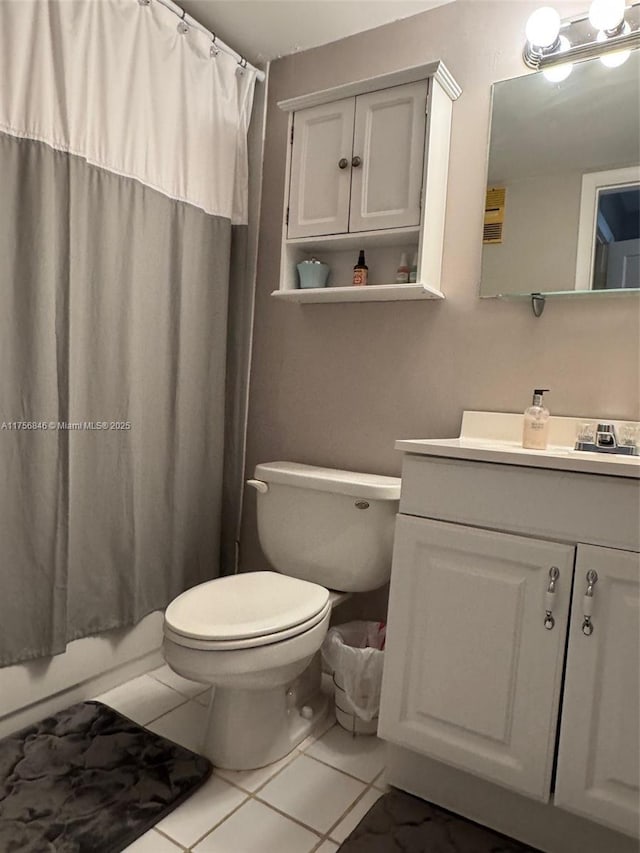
(354, 652)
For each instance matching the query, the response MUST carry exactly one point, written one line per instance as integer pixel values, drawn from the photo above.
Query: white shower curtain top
(115, 82)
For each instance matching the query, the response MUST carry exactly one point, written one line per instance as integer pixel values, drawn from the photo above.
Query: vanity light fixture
(558, 73)
(607, 15)
(610, 30)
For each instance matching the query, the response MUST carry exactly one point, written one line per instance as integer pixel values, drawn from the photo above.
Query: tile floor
(306, 803)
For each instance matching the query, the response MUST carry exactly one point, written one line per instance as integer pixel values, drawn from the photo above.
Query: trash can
(354, 653)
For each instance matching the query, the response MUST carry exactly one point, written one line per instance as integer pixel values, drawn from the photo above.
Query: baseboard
(87, 689)
(542, 825)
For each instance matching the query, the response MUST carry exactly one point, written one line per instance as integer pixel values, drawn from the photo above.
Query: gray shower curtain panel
(113, 335)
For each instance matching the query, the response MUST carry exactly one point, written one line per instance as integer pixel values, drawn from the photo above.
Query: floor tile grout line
(175, 689)
(254, 795)
(204, 686)
(170, 711)
(378, 776)
(350, 809)
(344, 772)
(301, 823)
(296, 752)
(266, 782)
(180, 846)
(315, 738)
(220, 822)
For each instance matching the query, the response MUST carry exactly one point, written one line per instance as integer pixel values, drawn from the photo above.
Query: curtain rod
(191, 22)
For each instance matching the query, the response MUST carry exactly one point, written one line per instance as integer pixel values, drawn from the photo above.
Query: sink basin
(497, 437)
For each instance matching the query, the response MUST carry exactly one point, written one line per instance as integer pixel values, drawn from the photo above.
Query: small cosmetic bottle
(402, 273)
(360, 271)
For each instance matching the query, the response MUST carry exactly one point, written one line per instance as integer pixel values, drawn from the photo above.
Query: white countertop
(496, 437)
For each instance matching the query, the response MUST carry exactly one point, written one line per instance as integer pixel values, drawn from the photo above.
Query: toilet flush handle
(259, 485)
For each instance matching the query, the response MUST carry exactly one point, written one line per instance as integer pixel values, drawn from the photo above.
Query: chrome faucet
(604, 440)
(606, 436)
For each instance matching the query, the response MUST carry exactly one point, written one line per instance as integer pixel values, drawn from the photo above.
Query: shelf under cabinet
(368, 293)
(357, 240)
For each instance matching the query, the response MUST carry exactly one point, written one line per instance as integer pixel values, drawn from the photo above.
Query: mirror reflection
(616, 256)
(563, 188)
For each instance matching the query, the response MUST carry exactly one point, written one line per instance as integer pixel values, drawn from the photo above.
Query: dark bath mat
(88, 780)
(400, 823)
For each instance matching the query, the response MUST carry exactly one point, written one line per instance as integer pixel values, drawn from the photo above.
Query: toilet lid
(250, 604)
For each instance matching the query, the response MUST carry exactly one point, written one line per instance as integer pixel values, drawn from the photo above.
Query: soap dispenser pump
(535, 429)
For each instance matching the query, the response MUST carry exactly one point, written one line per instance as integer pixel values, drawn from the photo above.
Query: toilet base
(248, 729)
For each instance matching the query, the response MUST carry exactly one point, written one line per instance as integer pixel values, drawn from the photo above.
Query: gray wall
(337, 384)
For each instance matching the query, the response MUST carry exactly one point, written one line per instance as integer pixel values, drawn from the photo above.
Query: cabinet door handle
(587, 624)
(356, 161)
(343, 163)
(550, 597)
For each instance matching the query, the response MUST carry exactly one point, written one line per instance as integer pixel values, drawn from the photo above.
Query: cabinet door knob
(343, 163)
(357, 161)
(550, 597)
(587, 624)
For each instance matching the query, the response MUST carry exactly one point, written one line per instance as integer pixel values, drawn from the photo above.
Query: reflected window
(616, 262)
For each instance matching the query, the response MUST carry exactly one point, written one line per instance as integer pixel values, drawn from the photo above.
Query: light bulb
(606, 14)
(558, 73)
(617, 57)
(543, 27)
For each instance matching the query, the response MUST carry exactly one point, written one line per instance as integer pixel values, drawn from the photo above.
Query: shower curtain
(123, 184)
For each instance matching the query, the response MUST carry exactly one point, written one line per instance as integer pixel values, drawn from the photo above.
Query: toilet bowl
(255, 636)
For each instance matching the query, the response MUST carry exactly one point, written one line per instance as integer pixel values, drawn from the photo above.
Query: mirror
(563, 199)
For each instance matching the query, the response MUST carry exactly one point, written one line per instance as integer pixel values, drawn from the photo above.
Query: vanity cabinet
(599, 753)
(357, 163)
(472, 676)
(502, 660)
(367, 168)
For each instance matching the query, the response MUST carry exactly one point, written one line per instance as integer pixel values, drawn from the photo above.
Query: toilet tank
(331, 527)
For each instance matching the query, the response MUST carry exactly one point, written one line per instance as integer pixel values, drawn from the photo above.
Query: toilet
(255, 636)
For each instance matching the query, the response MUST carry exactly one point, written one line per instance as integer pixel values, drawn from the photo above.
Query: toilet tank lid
(373, 486)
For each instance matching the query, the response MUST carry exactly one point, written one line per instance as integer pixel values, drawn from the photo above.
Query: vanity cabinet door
(320, 183)
(599, 755)
(389, 144)
(472, 675)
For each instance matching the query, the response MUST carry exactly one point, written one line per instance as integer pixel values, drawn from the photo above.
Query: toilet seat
(245, 611)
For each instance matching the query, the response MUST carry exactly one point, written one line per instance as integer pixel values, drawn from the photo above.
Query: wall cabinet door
(389, 142)
(357, 164)
(320, 183)
(599, 756)
(472, 675)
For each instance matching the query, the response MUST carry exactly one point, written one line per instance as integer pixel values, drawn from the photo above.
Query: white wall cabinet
(357, 164)
(367, 169)
(321, 170)
(474, 671)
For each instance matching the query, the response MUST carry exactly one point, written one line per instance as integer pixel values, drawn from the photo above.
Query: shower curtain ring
(213, 50)
(242, 64)
(144, 2)
(182, 27)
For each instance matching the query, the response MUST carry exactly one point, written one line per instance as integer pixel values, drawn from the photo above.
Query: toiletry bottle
(413, 272)
(402, 273)
(535, 430)
(360, 271)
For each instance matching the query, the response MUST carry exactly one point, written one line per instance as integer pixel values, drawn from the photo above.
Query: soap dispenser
(535, 430)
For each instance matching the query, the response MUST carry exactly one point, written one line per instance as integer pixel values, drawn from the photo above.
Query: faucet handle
(586, 433)
(630, 435)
